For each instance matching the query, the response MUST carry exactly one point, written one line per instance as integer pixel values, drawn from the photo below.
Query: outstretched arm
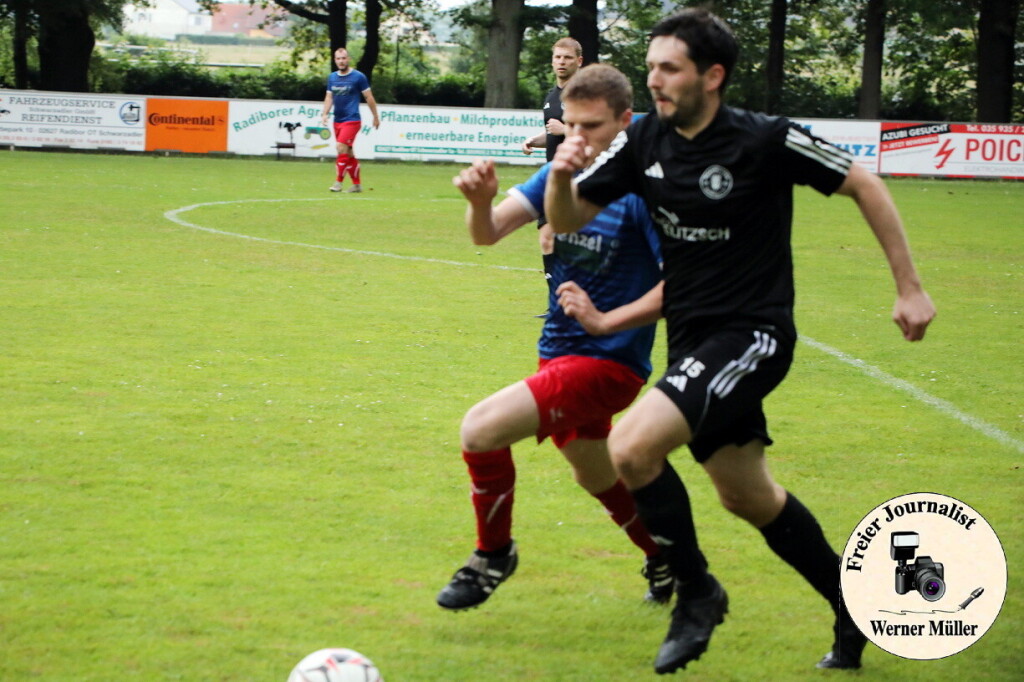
(564, 209)
(913, 310)
(488, 224)
(577, 304)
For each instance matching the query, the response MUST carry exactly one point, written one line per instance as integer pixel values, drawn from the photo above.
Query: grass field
(218, 454)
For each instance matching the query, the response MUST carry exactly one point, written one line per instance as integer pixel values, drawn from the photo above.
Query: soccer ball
(335, 665)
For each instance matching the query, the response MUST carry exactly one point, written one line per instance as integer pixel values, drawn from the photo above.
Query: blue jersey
(616, 259)
(347, 91)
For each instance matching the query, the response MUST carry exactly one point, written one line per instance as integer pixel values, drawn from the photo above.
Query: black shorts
(720, 383)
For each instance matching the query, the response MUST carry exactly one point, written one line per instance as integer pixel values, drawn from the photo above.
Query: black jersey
(553, 110)
(723, 204)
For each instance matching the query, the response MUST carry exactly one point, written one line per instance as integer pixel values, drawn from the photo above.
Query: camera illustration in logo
(924, 575)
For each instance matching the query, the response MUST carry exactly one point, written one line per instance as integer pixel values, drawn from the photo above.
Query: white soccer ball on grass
(335, 665)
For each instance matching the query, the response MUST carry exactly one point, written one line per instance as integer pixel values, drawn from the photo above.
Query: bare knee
(632, 463)
(757, 507)
(618, 452)
(735, 503)
(476, 432)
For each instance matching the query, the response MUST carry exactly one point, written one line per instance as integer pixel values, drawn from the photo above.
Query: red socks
(347, 163)
(620, 506)
(353, 169)
(493, 477)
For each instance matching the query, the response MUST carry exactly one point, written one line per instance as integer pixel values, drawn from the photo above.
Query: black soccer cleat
(659, 580)
(693, 621)
(473, 583)
(848, 645)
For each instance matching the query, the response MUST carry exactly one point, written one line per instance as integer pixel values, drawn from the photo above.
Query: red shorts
(346, 131)
(577, 396)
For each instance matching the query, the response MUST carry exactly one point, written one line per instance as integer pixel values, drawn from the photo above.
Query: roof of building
(190, 5)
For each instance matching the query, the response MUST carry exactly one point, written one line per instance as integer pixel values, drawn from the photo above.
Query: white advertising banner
(256, 127)
(459, 135)
(859, 138)
(965, 150)
(406, 132)
(80, 121)
(451, 134)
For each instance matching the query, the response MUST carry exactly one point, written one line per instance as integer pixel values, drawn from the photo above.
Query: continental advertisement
(197, 126)
(283, 129)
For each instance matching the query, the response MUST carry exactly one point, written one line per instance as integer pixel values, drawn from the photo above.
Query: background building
(167, 19)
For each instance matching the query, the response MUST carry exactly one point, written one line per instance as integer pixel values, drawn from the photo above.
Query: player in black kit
(566, 60)
(719, 183)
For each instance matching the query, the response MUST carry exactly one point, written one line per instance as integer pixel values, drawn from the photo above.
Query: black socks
(664, 507)
(798, 539)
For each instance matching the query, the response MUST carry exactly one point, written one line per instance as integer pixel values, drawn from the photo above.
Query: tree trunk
(20, 49)
(337, 24)
(65, 45)
(505, 39)
(997, 24)
(583, 27)
(775, 68)
(871, 71)
(371, 52)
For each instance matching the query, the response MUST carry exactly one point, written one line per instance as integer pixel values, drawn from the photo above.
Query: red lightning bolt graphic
(945, 151)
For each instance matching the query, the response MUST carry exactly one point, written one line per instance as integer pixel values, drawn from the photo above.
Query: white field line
(939, 404)
(174, 216)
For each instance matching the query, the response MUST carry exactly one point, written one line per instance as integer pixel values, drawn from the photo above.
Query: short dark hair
(600, 81)
(709, 39)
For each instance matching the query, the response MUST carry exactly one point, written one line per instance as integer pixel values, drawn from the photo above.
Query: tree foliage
(939, 59)
(930, 47)
(63, 35)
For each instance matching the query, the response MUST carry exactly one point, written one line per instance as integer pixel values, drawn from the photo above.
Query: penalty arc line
(174, 216)
(941, 405)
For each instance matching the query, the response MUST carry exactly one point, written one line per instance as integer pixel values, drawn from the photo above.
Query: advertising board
(79, 121)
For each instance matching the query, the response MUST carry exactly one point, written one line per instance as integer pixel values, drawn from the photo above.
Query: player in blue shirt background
(344, 89)
(582, 380)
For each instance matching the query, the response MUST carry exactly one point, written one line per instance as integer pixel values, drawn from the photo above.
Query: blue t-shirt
(616, 259)
(347, 90)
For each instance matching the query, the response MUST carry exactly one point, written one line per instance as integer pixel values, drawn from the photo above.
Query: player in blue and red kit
(582, 380)
(344, 88)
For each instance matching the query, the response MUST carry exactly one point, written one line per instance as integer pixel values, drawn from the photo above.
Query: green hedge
(452, 90)
(223, 40)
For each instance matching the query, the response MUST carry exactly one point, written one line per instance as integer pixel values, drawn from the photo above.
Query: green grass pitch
(224, 448)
